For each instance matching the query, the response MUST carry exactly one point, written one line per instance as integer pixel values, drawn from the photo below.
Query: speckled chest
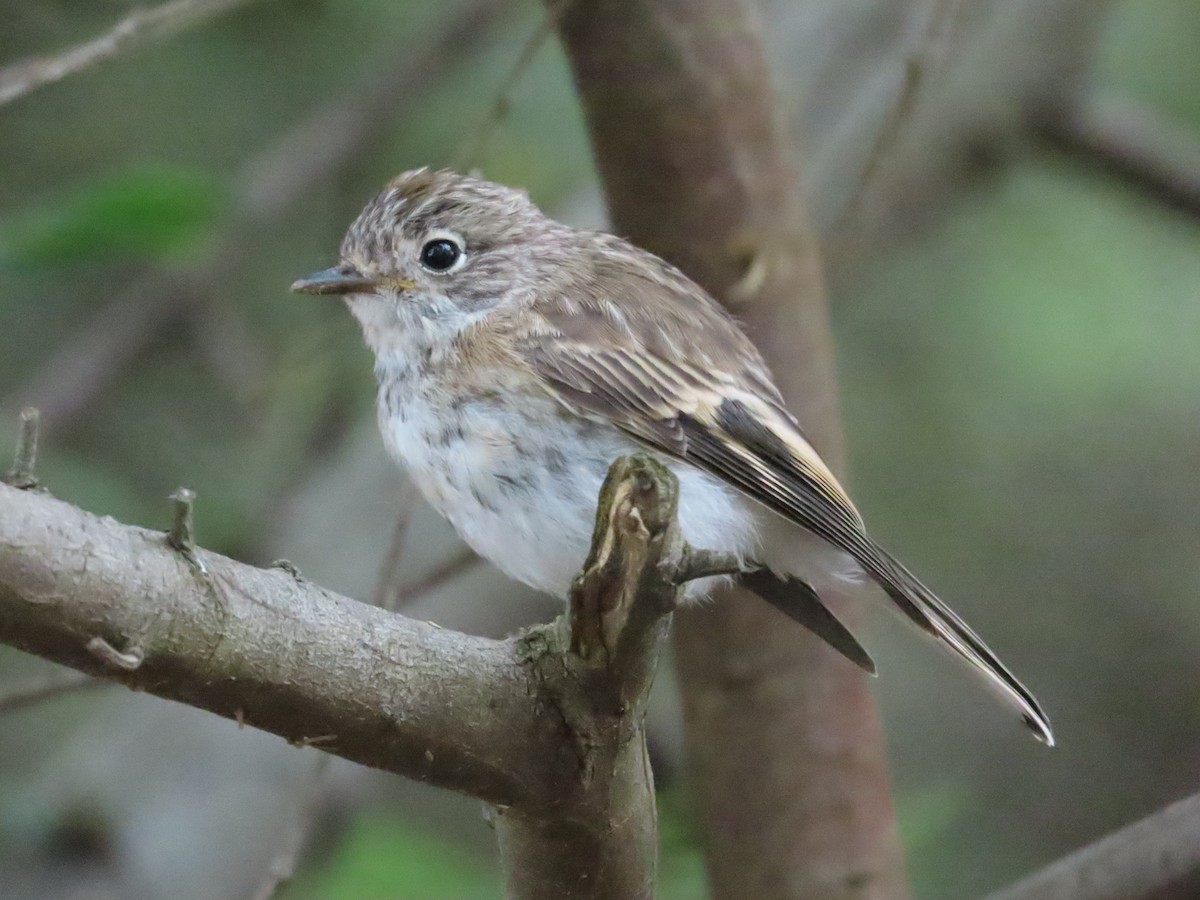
(515, 473)
(514, 470)
(478, 445)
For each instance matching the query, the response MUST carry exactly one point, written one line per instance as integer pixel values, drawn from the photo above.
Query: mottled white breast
(515, 472)
(519, 480)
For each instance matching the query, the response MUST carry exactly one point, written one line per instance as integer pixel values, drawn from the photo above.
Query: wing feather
(718, 409)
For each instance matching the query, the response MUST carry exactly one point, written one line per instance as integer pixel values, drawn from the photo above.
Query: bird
(517, 357)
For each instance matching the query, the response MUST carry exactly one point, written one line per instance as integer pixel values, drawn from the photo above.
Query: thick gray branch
(276, 652)
(1157, 858)
(546, 726)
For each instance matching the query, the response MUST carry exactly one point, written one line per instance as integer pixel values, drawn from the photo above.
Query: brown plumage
(534, 317)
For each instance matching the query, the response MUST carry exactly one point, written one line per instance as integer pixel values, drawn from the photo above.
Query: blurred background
(1009, 196)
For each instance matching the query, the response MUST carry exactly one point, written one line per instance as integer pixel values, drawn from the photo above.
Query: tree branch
(1157, 858)
(546, 726)
(618, 617)
(682, 121)
(1132, 142)
(138, 28)
(266, 648)
(314, 151)
(282, 868)
(44, 689)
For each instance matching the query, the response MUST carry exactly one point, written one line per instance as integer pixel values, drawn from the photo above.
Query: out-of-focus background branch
(1014, 311)
(699, 171)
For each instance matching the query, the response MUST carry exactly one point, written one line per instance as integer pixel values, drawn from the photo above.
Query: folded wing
(728, 419)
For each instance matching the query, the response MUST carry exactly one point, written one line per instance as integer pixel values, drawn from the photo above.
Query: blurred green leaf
(681, 874)
(928, 815)
(148, 212)
(387, 858)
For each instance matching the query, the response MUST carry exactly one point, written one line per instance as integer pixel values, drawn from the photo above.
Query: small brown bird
(518, 357)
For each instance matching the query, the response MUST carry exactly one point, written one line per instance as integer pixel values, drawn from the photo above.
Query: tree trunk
(783, 741)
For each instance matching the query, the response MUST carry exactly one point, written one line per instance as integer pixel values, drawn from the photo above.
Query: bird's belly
(522, 488)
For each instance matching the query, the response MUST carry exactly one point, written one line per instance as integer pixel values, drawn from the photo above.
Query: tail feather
(797, 599)
(920, 604)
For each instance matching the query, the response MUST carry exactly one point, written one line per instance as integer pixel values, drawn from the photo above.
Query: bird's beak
(337, 280)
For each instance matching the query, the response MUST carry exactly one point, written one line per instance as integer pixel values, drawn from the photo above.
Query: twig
(1157, 858)
(388, 588)
(283, 866)
(708, 563)
(140, 27)
(47, 689)
(181, 536)
(313, 152)
(127, 661)
(470, 152)
(182, 533)
(436, 577)
(1134, 143)
(918, 65)
(22, 474)
(791, 595)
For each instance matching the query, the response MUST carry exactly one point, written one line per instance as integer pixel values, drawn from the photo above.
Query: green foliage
(1019, 384)
(140, 214)
(681, 874)
(1151, 54)
(381, 859)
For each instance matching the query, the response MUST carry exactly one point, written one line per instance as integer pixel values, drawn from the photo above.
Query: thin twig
(436, 577)
(22, 475)
(709, 563)
(46, 689)
(388, 587)
(182, 533)
(470, 152)
(140, 27)
(128, 660)
(308, 808)
(919, 64)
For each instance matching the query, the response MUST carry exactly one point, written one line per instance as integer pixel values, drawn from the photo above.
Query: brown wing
(644, 348)
(658, 359)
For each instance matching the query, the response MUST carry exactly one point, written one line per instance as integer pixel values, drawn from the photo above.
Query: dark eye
(440, 254)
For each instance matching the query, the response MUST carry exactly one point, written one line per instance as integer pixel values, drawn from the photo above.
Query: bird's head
(446, 242)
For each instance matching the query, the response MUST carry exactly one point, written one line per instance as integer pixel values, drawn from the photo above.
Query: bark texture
(784, 744)
(546, 726)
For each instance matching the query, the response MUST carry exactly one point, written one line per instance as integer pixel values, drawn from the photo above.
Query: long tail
(933, 616)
